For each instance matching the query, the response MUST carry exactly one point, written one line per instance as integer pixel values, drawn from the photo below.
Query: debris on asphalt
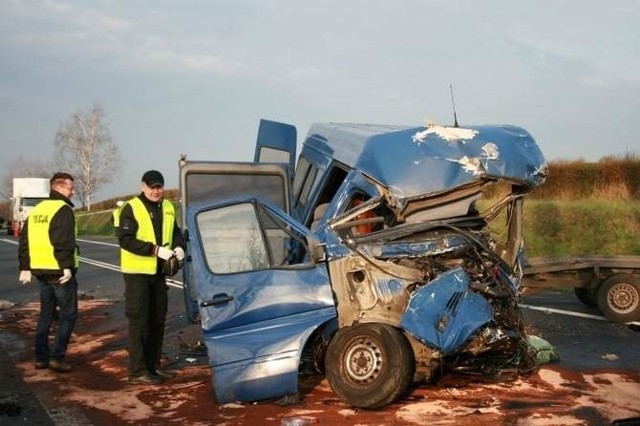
(544, 351)
(5, 304)
(194, 349)
(232, 405)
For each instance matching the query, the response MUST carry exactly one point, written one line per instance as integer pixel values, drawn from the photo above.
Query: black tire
(619, 298)
(369, 365)
(588, 296)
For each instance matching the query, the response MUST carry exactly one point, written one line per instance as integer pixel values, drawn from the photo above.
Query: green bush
(611, 178)
(98, 221)
(573, 227)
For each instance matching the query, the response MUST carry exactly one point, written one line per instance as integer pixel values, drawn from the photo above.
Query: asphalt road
(99, 277)
(592, 350)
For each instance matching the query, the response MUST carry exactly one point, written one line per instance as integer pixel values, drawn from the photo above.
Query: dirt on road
(96, 392)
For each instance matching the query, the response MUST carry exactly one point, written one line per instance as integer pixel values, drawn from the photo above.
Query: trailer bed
(611, 283)
(536, 267)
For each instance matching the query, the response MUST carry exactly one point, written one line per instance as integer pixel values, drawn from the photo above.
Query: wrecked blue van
(374, 258)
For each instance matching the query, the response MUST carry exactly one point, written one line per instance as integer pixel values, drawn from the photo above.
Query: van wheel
(588, 296)
(369, 365)
(619, 298)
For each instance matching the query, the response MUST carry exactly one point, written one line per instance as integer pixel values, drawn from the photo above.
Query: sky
(195, 77)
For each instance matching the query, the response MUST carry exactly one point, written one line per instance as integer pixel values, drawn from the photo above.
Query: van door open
(258, 305)
(204, 182)
(276, 143)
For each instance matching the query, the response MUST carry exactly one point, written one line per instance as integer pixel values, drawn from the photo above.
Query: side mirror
(316, 250)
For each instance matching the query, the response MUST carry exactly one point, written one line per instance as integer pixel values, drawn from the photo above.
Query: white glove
(25, 277)
(66, 276)
(179, 253)
(163, 253)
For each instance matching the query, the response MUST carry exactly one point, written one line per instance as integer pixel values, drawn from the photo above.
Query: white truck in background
(27, 192)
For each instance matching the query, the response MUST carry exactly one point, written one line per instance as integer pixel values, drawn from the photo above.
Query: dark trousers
(65, 298)
(146, 309)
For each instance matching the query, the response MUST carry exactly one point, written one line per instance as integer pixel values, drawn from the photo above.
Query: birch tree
(85, 149)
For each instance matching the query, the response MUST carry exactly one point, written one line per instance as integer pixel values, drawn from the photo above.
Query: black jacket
(62, 234)
(128, 229)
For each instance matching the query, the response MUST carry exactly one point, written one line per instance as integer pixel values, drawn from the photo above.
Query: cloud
(60, 32)
(592, 45)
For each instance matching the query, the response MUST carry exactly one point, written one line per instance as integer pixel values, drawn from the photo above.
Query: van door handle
(217, 299)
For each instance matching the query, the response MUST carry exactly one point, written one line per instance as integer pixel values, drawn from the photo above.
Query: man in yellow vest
(148, 236)
(48, 251)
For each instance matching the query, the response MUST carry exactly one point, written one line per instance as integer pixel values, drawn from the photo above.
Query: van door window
(287, 246)
(335, 178)
(210, 186)
(305, 179)
(272, 155)
(238, 238)
(232, 239)
(308, 184)
(300, 177)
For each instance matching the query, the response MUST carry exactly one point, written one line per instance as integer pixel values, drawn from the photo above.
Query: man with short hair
(148, 237)
(48, 251)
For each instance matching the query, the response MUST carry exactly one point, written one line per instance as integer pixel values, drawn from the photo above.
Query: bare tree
(86, 150)
(23, 167)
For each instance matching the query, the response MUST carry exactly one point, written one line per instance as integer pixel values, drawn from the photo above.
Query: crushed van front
(443, 262)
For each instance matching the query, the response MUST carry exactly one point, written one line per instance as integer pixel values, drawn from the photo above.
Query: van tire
(369, 365)
(619, 298)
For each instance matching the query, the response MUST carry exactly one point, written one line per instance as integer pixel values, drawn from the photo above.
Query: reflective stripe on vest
(116, 215)
(131, 263)
(40, 248)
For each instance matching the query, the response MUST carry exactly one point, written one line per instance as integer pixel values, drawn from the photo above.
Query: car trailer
(610, 283)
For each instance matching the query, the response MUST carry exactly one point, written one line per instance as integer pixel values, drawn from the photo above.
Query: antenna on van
(453, 102)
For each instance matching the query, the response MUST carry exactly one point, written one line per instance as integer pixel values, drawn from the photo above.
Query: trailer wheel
(619, 298)
(588, 296)
(369, 365)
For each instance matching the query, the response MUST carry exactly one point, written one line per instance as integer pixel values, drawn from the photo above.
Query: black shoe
(42, 364)
(145, 379)
(59, 365)
(165, 374)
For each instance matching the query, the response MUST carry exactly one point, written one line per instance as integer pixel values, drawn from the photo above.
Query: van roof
(414, 161)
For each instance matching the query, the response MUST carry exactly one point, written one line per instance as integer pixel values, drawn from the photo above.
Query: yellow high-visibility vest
(131, 263)
(40, 246)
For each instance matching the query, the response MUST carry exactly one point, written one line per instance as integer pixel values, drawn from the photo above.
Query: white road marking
(98, 242)
(570, 313)
(170, 281)
(178, 284)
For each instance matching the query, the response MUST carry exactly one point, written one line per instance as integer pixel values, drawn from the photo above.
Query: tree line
(611, 178)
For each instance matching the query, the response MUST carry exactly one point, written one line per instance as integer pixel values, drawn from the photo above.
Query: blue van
(375, 257)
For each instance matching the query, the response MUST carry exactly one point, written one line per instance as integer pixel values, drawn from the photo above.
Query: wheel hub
(363, 361)
(623, 298)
